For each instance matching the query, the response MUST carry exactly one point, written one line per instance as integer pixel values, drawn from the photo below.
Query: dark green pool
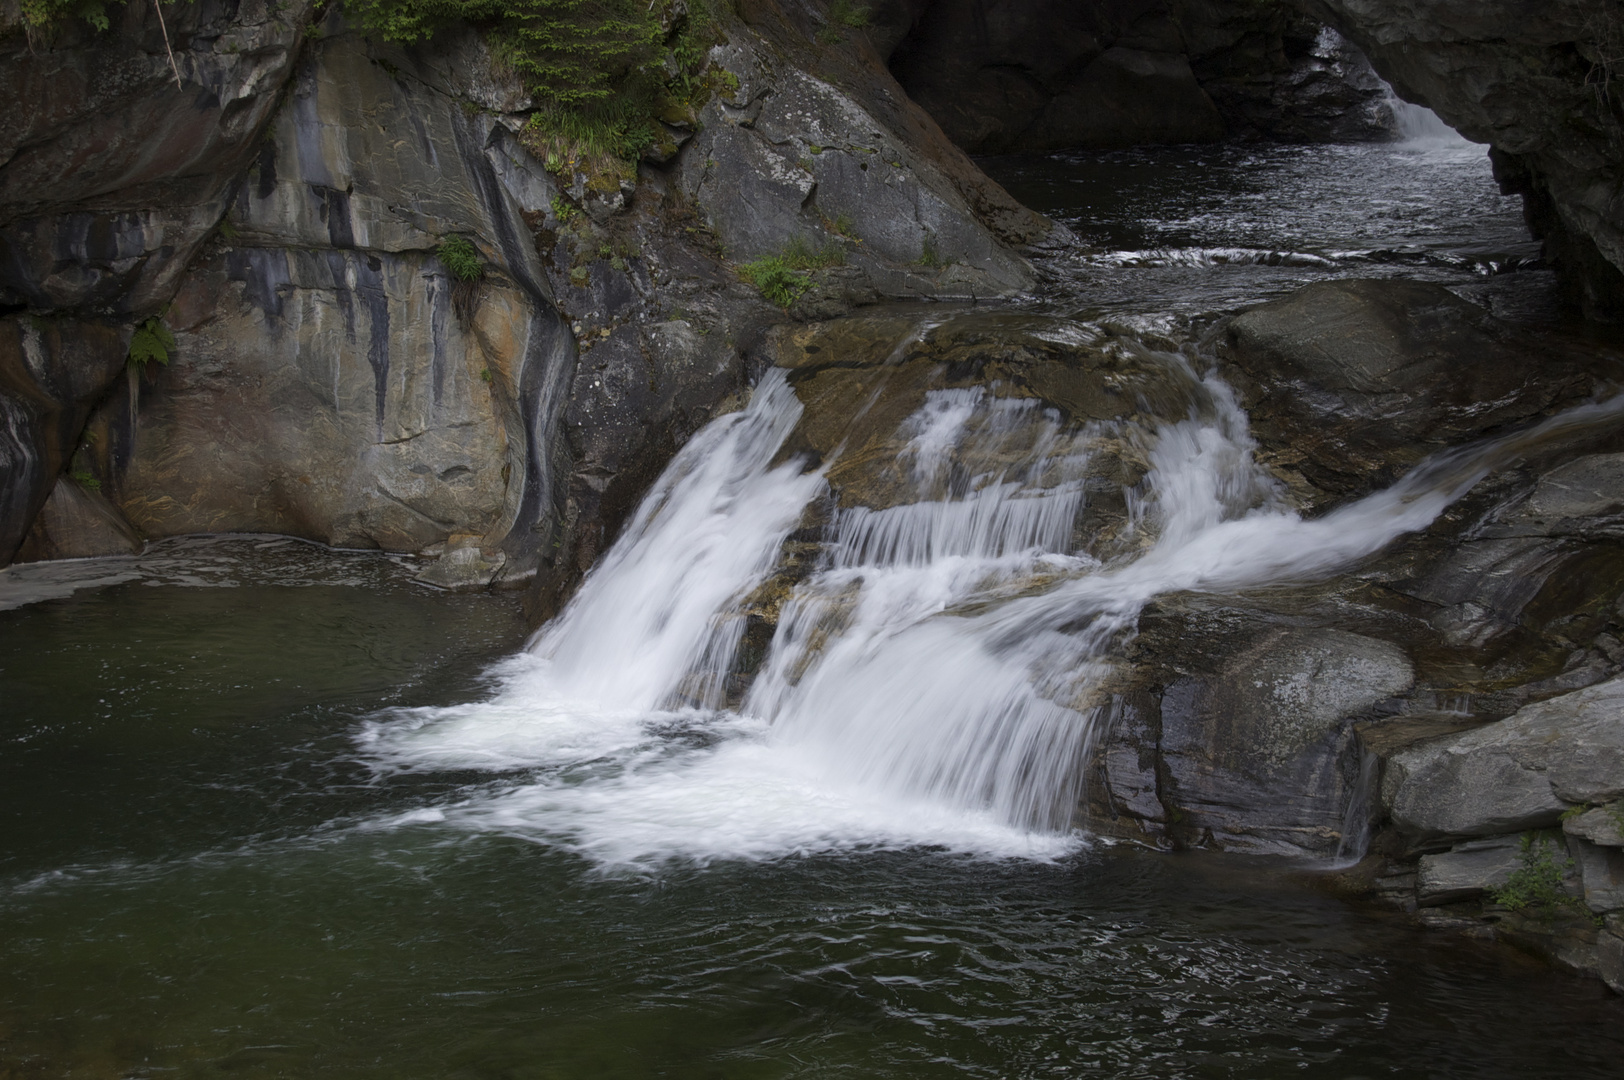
(201, 876)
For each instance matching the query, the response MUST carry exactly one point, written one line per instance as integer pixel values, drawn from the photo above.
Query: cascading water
(936, 681)
(1422, 129)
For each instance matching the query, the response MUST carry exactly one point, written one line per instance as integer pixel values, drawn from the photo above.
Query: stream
(277, 811)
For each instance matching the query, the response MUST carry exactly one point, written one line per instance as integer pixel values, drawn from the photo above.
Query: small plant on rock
(783, 277)
(151, 342)
(1537, 884)
(847, 13)
(461, 260)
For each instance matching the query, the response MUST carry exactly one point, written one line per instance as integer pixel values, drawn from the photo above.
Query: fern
(151, 341)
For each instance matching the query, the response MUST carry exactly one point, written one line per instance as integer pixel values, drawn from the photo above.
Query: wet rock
(1610, 960)
(1517, 773)
(1350, 383)
(113, 176)
(1583, 498)
(76, 523)
(463, 567)
(1601, 869)
(1258, 752)
(1124, 790)
(1386, 736)
(52, 372)
(1467, 870)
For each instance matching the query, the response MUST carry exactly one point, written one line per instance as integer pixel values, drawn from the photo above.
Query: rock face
(324, 385)
(1356, 381)
(1520, 773)
(1539, 85)
(329, 378)
(1254, 751)
(110, 181)
(1054, 75)
(76, 523)
(821, 144)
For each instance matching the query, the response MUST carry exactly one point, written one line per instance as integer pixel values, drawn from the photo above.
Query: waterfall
(1419, 128)
(936, 680)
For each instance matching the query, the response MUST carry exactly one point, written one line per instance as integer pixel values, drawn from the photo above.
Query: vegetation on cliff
(601, 72)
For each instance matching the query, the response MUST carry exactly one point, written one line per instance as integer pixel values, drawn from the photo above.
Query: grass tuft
(461, 259)
(784, 277)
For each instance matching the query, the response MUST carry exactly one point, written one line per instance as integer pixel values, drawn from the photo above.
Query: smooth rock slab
(1467, 871)
(1604, 825)
(1519, 773)
(1602, 870)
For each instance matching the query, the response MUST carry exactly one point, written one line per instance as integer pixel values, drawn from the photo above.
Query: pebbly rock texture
(1539, 84)
(1254, 748)
(818, 143)
(1055, 75)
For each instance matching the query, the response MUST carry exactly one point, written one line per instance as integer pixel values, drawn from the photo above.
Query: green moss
(461, 259)
(43, 15)
(847, 13)
(784, 277)
(151, 341)
(85, 480)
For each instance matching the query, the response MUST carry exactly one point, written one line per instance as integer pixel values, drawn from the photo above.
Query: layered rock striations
(111, 179)
(282, 211)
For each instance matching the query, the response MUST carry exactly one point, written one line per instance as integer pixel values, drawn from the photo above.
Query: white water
(935, 682)
(1419, 128)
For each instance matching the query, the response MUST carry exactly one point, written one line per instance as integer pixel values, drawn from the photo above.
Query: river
(276, 811)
